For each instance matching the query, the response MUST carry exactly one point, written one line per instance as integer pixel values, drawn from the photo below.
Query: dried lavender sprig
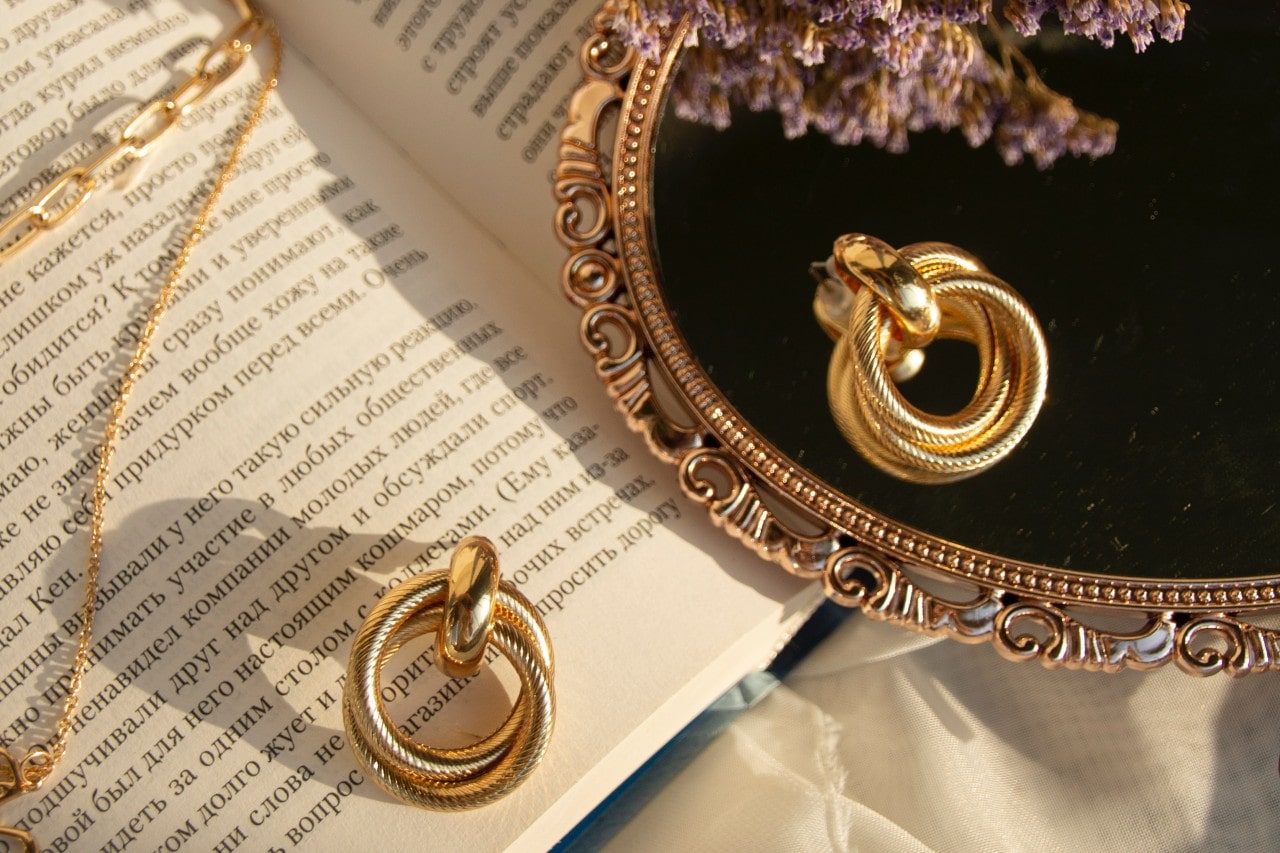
(888, 69)
(805, 28)
(1141, 20)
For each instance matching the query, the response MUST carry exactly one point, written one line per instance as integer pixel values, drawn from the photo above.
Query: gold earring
(882, 306)
(467, 606)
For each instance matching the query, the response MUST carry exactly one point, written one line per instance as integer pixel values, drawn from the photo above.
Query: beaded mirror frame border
(893, 573)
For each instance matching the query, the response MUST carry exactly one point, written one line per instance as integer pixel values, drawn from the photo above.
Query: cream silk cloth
(884, 740)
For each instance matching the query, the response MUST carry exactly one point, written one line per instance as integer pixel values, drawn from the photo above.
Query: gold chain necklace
(66, 194)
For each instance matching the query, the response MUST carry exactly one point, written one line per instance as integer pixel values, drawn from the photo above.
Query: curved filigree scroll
(714, 478)
(612, 334)
(777, 508)
(1222, 643)
(586, 223)
(583, 216)
(861, 577)
(1041, 630)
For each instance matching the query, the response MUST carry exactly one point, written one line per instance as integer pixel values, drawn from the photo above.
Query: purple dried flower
(875, 70)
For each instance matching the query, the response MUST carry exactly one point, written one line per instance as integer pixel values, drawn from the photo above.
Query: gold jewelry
(64, 196)
(68, 192)
(466, 606)
(901, 300)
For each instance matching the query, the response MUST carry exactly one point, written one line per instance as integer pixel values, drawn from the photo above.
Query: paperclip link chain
(68, 192)
(62, 198)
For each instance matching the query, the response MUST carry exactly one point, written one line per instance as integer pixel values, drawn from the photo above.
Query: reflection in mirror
(1151, 272)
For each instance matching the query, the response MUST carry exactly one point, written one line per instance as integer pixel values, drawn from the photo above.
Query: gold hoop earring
(467, 607)
(882, 306)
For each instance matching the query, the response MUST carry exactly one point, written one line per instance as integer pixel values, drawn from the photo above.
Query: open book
(368, 361)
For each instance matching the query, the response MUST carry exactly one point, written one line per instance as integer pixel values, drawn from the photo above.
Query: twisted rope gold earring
(467, 606)
(882, 306)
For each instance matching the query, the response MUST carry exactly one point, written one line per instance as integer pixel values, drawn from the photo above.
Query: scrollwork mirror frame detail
(864, 560)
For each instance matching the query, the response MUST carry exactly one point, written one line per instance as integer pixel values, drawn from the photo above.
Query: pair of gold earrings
(882, 307)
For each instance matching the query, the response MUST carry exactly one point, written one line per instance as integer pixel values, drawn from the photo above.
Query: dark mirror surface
(1153, 272)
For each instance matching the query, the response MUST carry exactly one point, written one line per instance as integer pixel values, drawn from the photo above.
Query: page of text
(353, 378)
(473, 90)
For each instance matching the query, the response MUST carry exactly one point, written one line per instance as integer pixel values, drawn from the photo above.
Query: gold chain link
(62, 198)
(68, 192)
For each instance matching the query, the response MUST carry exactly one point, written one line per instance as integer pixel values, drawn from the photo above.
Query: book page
(352, 378)
(474, 91)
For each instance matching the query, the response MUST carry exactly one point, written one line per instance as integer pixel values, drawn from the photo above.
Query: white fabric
(883, 740)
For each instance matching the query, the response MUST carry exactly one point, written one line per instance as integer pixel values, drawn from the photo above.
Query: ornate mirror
(1136, 522)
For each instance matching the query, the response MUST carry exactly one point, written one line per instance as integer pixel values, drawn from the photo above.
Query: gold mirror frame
(891, 572)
